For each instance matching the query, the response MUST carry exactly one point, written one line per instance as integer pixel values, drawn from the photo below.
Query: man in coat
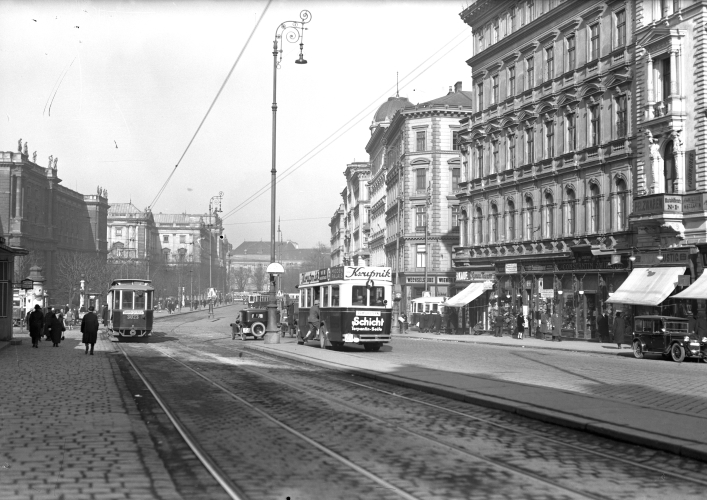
(89, 328)
(312, 322)
(619, 328)
(603, 327)
(35, 325)
(48, 322)
(105, 315)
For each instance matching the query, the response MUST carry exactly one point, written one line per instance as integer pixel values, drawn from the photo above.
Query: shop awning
(698, 290)
(467, 295)
(647, 286)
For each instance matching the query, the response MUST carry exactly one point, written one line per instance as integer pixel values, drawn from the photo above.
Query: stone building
(356, 215)
(549, 159)
(46, 218)
(133, 241)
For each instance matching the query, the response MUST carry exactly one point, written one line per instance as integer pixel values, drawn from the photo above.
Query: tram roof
(130, 284)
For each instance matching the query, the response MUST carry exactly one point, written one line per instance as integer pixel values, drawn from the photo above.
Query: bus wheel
(258, 329)
(372, 346)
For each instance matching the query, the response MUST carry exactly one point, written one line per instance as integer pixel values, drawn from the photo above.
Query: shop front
(473, 297)
(414, 287)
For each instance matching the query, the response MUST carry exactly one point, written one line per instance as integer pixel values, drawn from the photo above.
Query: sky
(117, 90)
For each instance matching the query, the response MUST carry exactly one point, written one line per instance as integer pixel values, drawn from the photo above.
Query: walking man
(48, 322)
(619, 327)
(312, 322)
(603, 326)
(35, 324)
(89, 328)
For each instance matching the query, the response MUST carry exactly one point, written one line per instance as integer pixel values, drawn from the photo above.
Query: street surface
(88, 427)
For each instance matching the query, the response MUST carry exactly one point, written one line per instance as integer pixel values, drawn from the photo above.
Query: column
(650, 97)
(18, 197)
(679, 155)
(673, 81)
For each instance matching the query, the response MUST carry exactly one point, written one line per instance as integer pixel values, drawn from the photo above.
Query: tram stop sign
(27, 284)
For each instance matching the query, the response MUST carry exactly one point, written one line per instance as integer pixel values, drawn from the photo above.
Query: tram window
(139, 300)
(325, 296)
(316, 295)
(301, 298)
(377, 296)
(434, 308)
(148, 300)
(127, 300)
(116, 299)
(358, 295)
(334, 295)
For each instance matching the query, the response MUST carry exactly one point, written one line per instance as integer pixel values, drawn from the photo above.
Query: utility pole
(427, 230)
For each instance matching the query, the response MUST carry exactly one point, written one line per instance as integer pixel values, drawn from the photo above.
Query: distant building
(133, 241)
(44, 217)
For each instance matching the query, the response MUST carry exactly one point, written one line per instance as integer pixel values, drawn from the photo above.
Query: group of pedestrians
(52, 326)
(618, 328)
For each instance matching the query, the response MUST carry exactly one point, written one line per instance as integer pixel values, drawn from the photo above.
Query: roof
(176, 218)
(459, 98)
(386, 110)
(123, 208)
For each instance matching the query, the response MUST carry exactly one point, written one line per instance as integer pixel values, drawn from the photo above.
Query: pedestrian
(520, 325)
(105, 315)
(545, 325)
(312, 323)
(619, 328)
(211, 307)
(402, 322)
(497, 323)
(556, 327)
(603, 326)
(70, 319)
(89, 329)
(57, 329)
(35, 325)
(48, 322)
(425, 321)
(437, 322)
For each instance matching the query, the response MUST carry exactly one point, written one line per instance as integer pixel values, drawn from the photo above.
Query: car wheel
(677, 353)
(258, 329)
(372, 346)
(637, 350)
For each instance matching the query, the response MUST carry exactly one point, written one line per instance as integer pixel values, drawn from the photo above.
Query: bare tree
(23, 263)
(318, 258)
(240, 276)
(72, 266)
(260, 278)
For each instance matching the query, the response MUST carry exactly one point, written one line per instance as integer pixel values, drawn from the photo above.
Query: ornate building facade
(549, 158)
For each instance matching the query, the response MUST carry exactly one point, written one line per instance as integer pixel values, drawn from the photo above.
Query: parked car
(666, 335)
(250, 322)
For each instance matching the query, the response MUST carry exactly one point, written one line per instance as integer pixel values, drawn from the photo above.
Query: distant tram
(258, 300)
(130, 304)
(355, 305)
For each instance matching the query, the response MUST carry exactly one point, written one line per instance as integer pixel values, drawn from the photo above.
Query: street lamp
(293, 32)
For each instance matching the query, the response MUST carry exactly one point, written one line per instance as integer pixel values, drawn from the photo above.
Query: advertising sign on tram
(374, 273)
(367, 321)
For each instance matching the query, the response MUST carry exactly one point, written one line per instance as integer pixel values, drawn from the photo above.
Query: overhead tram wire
(159, 193)
(348, 125)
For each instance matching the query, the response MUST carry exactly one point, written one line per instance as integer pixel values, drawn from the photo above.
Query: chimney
(450, 89)
(457, 87)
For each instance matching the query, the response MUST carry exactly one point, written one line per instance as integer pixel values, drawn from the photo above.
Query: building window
(481, 42)
(455, 218)
(480, 96)
(549, 63)
(420, 179)
(595, 205)
(479, 229)
(669, 168)
(594, 41)
(480, 161)
(620, 28)
(512, 81)
(119, 232)
(494, 32)
(549, 139)
(455, 141)
(421, 256)
(528, 218)
(620, 208)
(531, 10)
(595, 124)
(421, 140)
(511, 221)
(420, 217)
(182, 238)
(165, 239)
(571, 215)
(456, 177)
(529, 145)
(511, 19)
(547, 216)
(621, 122)
(494, 150)
(530, 72)
(571, 53)
(493, 224)
(494, 87)
(571, 131)
(511, 151)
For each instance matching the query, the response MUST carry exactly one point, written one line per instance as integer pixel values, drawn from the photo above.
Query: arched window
(464, 229)
(620, 207)
(511, 221)
(493, 224)
(479, 237)
(571, 212)
(548, 220)
(669, 167)
(528, 223)
(594, 206)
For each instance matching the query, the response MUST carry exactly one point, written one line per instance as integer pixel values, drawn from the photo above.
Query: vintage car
(250, 322)
(666, 335)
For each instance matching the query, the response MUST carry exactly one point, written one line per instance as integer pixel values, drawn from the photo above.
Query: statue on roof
(98, 190)
(19, 145)
(55, 162)
(51, 159)
(34, 157)
(24, 150)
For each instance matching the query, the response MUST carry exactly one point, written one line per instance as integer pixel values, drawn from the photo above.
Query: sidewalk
(70, 428)
(660, 429)
(527, 342)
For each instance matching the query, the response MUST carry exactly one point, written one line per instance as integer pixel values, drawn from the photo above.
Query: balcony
(662, 204)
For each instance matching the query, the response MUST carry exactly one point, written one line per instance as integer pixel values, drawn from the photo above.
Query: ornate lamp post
(293, 32)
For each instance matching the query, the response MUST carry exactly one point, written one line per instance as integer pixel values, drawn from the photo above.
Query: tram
(258, 300)
(130, 304)
(355, 305)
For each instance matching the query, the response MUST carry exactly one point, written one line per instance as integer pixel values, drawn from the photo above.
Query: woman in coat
(57, 329)
(619, 328)
(520, 325)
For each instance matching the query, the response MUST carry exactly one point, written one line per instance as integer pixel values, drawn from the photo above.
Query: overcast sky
(116, 91)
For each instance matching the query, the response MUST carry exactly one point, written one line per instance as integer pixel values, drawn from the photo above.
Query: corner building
(548, 159)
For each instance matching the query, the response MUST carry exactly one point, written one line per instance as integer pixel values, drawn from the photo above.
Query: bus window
(334, 295)
(139, 299)
(325, 296)
(377, 296)
(358, 295)
(127, 301)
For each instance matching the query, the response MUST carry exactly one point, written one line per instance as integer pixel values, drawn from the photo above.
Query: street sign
(547, 294)
(27, 284)
(212, 293)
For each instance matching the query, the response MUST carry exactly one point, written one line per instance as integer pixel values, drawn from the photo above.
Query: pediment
(526, 115)
(616, 79)
(548, 37)
(567, 99)
(420, 161)
(589, 90)
(659, 39)
(508, 121)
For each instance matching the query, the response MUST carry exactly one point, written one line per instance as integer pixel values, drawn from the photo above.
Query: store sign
(511, 268)
(679, 258)
(547, 294)
(657, 204)
(537, 268)
(475, 276)
(690, 171)
(419, 279)
(444, 280)
(694, 203)
(589, 264)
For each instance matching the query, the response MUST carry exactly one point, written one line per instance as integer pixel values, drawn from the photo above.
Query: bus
(131, 308)
(355, 305)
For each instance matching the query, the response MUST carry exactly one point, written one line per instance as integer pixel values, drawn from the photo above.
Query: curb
(598, 427)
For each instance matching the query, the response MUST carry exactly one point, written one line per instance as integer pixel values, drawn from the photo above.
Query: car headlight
(686, 338)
